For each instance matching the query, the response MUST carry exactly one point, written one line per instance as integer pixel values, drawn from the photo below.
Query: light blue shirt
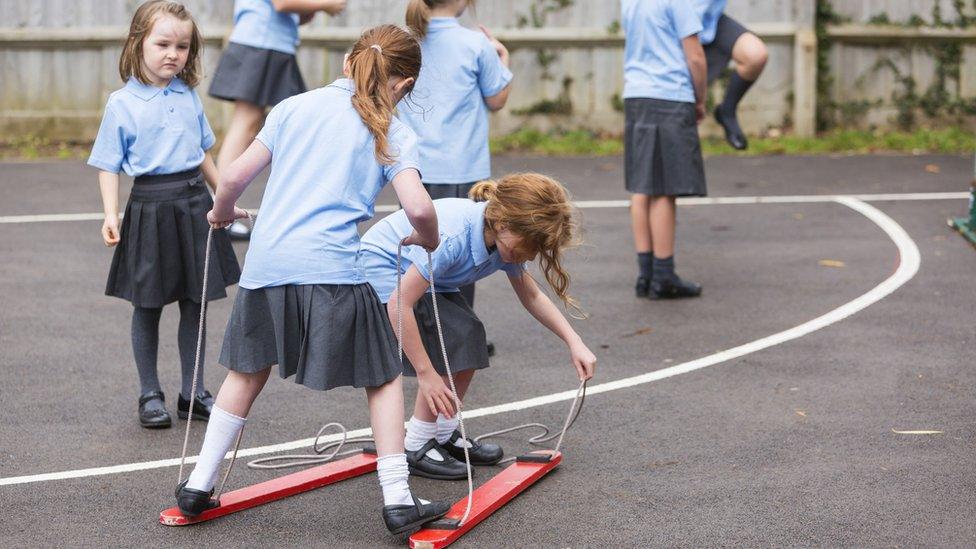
(324, 181)
(149, 131)
(654, 59)
(462, 257)
(447, 107)
(258, 24)
(709, 11)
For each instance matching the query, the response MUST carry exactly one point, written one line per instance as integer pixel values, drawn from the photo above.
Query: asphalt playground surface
(791, 445)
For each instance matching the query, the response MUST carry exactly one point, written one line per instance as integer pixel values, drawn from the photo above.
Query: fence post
(805, 69)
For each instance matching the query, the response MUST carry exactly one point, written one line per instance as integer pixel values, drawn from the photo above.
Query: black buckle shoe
(422, 465)
(733, 133)
(403, 518)
(490, 347)
(192, 502)
(480, 453)
(643, 287)
(154, 416)
(238, 230)
(202, 406)
(674, 288)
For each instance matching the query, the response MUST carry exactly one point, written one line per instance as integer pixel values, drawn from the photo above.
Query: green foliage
(562, 104)
(539, 11)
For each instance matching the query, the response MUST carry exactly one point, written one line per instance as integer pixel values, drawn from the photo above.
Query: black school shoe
(673, 288)
(643, 287)
(733, 133)
(239, 231)
(403, 518)
(422, 465)
(154, 416)
(192, 502)
(202, 405)
(480, 453)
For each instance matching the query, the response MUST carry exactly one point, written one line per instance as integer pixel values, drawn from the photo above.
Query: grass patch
(581, 142)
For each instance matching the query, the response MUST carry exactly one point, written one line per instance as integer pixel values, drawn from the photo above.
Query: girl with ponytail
(505, 224)
(331, 151)
(465, 75)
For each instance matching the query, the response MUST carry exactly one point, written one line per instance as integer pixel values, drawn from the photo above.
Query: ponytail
(483, 191)
(381, 53)
(418, 17)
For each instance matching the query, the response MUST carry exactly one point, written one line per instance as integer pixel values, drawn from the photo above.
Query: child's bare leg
(386, 416)
(662, 215)
(244, 126)
(640, 224)
(239, 391)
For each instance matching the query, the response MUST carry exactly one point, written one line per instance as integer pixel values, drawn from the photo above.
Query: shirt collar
(147, 91)
(344, 84)
(479, 252)
(443, 22)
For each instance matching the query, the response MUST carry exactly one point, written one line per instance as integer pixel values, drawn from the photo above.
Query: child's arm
(543, 309)
(695, 56)
(305, 7)
(210, 173)
(108, 184)
(416, 203)
(497, 101)
(233, 181)
(432, 386)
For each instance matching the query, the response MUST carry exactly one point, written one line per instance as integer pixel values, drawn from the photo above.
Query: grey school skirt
(160, 256)
(326, 335)
(256, 75)
(719, 52)
(464, 334)
(662, 153)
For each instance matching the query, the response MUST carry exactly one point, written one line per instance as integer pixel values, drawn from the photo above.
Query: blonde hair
(131, 61)
(538, 209)
(418, 15)
(397, 53)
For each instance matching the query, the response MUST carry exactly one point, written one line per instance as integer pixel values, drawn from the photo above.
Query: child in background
(304, 303)
(258, 69)
(155, 130)
(664, 99)
(464, 76)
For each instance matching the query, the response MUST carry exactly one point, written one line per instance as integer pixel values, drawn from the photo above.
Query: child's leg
(445, 425)
(244, 126)
(750, 55)
(188, 333)
(234, 401)
(664, 282)
(640, 220)
(386, 418)
(662, 222)
(145, 345)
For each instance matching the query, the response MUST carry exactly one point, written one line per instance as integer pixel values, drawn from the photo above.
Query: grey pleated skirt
(464, 334)
(719, 52)
(662, 153)
(326, 335)
(256, 75)
(160, 257)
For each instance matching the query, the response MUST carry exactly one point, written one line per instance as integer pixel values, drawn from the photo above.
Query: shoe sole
(418, 473)
(418, 523)
(658, 297)
(166, 425)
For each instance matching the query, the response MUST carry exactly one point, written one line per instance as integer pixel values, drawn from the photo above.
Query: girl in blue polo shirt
(519, 218)
(258, 68)
(304, 303)
(154, 130)
(464, 76)
(664, 99)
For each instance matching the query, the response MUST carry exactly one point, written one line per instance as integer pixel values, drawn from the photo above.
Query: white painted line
(909, 261)
(596, 204)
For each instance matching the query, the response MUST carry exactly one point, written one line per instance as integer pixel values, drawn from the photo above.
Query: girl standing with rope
(521, 217)
(304, 303)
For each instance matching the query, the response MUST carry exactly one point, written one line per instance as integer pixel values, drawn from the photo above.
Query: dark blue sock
(645, 262)
(663, 268)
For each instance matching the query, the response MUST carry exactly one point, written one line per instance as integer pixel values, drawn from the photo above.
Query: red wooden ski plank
(278, 488)
(488, 498)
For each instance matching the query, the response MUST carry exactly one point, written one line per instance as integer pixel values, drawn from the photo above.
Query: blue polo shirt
(149, 131)
(324, 181)
(461, 258)
(258, 24)
(654, 59)
(709, 11)
(447, 107)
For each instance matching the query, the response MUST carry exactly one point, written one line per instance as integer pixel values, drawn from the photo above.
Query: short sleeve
(207, 138)
(514, 270)
(403, 149)
(493, 75)
(109, 149)
(269, 133)
(445, 257)
(686, 20)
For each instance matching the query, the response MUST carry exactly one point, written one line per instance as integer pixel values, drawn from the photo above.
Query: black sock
(189, 329)
(664, 268)
(145, 344)
(645, 264)
(737, 88)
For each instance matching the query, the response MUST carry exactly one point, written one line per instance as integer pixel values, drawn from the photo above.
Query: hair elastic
(377, 48)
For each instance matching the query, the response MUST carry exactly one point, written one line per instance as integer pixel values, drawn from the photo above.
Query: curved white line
(909, 261)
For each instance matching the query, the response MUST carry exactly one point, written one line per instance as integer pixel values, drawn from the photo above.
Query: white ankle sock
(418, 433)
(392, 470)
(445, 428)
(222, 430)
